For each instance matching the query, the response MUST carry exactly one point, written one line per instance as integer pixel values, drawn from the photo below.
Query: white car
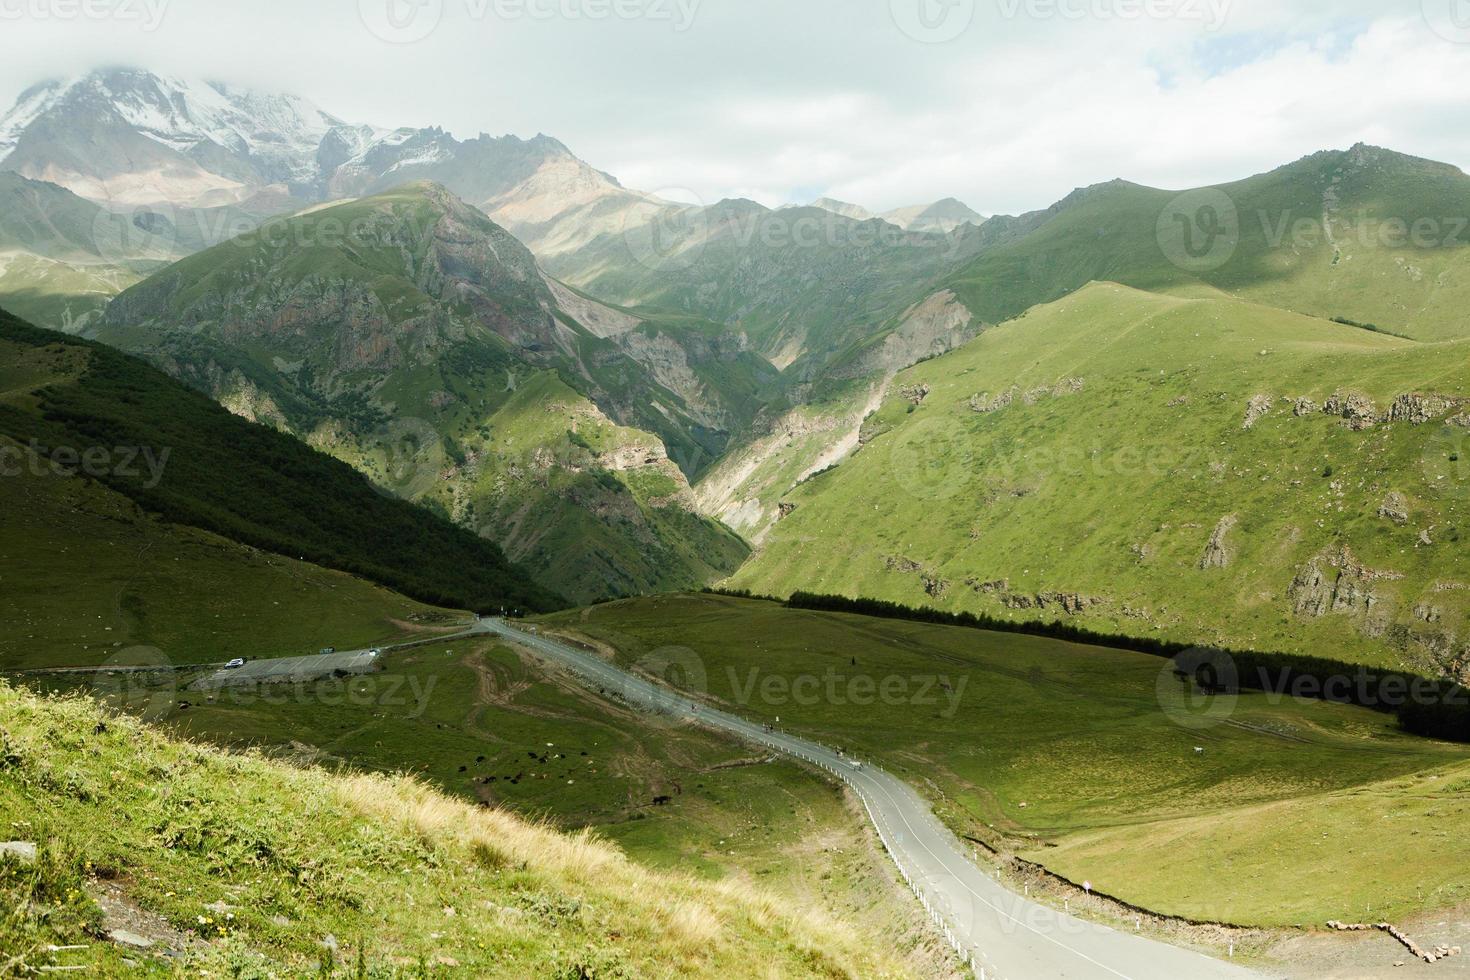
(235, 664)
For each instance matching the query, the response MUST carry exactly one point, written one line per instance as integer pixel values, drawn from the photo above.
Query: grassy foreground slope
(172, 451)
(1083, 758)
(245, 865)
(1195, 469)
(487, 723)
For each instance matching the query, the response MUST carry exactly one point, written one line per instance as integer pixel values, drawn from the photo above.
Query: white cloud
(775, 100)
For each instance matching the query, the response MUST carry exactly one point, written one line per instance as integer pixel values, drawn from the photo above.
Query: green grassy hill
(245, 868)
(1195, 469)
(397, 332)
(1083, 758)
(114, 420)
(1364, 234)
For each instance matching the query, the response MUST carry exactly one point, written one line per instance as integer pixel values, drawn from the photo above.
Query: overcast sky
(1006, 104)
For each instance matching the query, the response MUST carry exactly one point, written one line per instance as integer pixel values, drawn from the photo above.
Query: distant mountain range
(598, 380)
(942, 216)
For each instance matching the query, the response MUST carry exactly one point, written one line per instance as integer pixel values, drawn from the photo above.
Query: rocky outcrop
(1216, 554)
(1395, 507)
(914, 394)
(1258, 408)
(1071, 603)
(985, 403)
(1418, 409)
(1359, 410)
(898, 563)
(1302, 407)
(1347, 589)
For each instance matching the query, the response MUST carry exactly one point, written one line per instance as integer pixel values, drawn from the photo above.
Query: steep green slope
(90, 578)
(246, 867)
(1195, 469)
(112, 418)
(392, 331)
(1365, 234)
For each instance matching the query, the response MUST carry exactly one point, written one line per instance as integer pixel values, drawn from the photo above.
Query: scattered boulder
(22, 851)
(785, 509)
(1216, 554)
(125, 938)
(1303, 407)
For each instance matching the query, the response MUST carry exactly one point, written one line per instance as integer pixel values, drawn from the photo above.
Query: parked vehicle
(327, 650)
(235, 664)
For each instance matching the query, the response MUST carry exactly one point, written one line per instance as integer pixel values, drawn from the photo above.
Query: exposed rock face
(1216, 554)
(1395, 508)
(936, 326)
(1258, 408)
(1316, 591)
(1419, 409)
(988, 588)
(1302, 407)
(1359, 410)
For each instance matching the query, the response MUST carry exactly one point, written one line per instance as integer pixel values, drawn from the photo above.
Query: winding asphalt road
(1003, 935)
